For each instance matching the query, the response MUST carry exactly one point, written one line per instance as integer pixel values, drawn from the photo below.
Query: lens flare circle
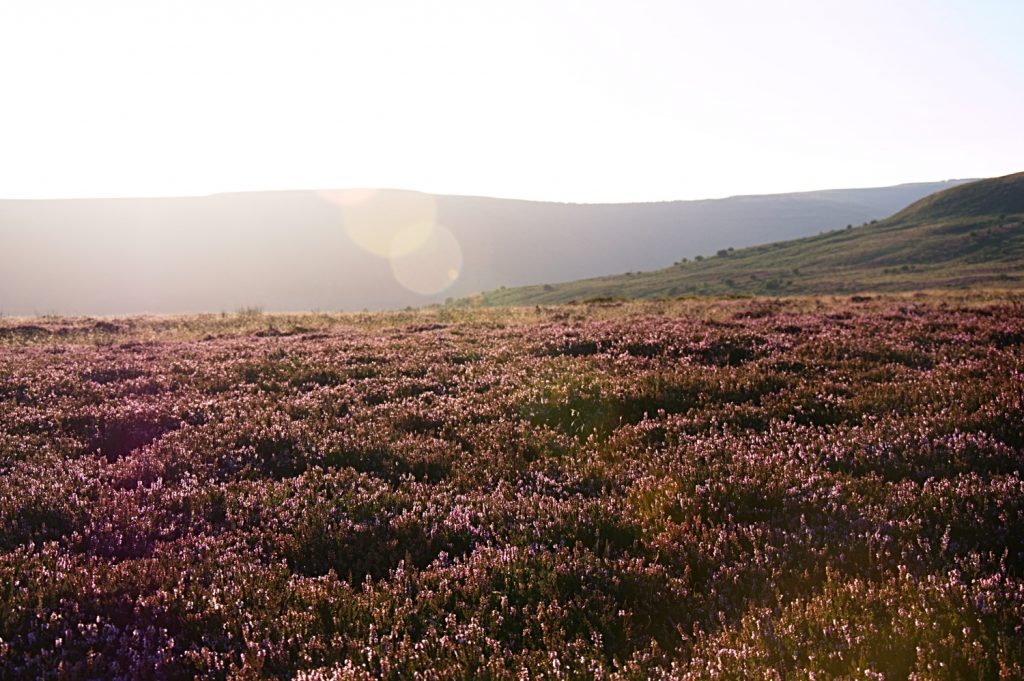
(385, 222)
(430, 268)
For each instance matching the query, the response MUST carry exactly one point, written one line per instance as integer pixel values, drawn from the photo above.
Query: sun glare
(402, 227)
(593, 102)
(432, 267)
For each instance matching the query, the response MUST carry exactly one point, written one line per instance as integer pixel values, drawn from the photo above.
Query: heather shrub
(732, 489)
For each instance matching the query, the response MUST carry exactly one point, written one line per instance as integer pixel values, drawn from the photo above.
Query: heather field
(812, 488)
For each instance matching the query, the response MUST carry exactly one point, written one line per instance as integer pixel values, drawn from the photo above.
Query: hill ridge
(967, 235)
(294, 249)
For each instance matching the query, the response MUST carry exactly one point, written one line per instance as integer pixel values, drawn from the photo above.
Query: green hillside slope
(971, 235)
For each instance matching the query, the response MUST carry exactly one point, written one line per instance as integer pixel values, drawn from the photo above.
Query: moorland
(808, 487)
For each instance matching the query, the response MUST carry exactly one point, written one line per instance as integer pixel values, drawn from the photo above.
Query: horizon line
(314, 190)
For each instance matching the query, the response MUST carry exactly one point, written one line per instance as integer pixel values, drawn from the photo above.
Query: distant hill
(968, 235)
(295, 250)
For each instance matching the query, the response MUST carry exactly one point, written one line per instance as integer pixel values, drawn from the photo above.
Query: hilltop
(969, 235)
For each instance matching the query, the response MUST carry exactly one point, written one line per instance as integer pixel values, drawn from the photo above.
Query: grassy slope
(969, 235)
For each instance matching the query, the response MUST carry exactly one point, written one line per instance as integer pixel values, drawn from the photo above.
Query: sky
(580, 101)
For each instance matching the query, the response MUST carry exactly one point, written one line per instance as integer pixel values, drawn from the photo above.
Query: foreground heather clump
(732, 489)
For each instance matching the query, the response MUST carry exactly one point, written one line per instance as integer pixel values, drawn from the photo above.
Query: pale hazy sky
(575, 101)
